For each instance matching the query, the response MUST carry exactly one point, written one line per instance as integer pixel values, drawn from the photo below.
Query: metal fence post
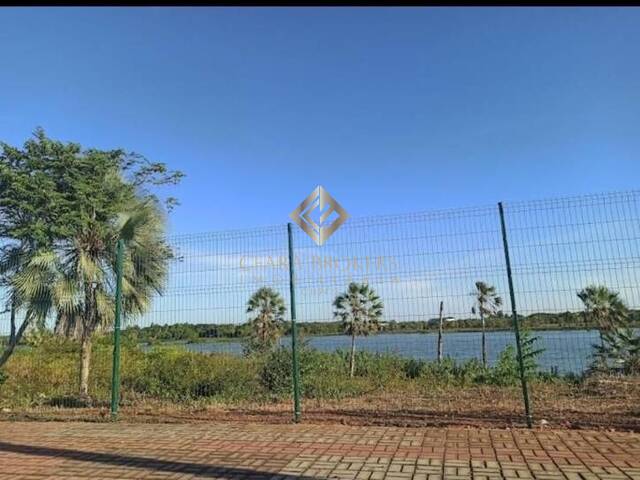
(115, 373)
(516, 322)
(294, 348)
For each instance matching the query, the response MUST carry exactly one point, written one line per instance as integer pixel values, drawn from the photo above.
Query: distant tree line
(189, 332)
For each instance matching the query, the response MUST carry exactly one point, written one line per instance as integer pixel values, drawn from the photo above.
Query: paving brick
(32, 450)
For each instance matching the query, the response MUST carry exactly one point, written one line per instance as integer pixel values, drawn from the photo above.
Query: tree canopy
(62, 210)
(50, 190)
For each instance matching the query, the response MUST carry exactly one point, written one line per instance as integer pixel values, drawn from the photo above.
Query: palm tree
(619, 351)
(6, 266)
(360, 310)
(11, 300)
(488, 303)
(27, 276)
(267, 308)
(90, 268)
(75, 282)
(603, 307)
(619, 347)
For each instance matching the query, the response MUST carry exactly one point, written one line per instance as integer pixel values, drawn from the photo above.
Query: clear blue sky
(392, 110)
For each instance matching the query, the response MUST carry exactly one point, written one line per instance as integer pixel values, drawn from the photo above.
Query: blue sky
(392, 110)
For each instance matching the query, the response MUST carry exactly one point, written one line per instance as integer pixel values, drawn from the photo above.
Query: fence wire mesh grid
(402, 320)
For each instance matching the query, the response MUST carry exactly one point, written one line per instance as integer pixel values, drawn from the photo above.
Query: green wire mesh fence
(403, 320)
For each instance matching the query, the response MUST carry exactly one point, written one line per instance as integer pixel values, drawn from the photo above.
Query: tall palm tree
(10, 304)
(604, 307)
(360, 310)
(27, 277)
(75, 282)
(487, 303)
(90, 269)
(267, 310)
(10, 301)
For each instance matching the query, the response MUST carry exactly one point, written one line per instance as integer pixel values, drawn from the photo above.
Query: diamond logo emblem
(319, 231)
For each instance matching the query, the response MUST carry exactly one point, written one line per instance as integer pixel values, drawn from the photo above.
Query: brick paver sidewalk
(32, 450)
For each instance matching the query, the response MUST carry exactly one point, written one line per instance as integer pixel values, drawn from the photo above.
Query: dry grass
(604, 403)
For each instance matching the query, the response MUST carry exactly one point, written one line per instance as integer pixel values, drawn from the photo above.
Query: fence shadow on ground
(146, 463)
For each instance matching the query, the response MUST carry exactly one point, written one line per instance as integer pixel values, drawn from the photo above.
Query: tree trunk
(601, 329)
(440, 335)
(15, 340)
(484, 342)
(352, 359)
(12, 334)
(68, 326)
(85, 362)
(90, 323)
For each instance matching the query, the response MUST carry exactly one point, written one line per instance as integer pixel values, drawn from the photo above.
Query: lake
(567, 350)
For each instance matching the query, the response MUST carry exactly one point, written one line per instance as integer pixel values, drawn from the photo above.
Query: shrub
(277, 368)
(327, 377)
(179, 375)
(619, 352)
(451, 373)
(507, 369)
(276, 372)
(48, 373)
(334, 385)
(413, 368)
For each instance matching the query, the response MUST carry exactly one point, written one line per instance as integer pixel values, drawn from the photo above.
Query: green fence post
(294, 348)
(115, 374)
(516, 322)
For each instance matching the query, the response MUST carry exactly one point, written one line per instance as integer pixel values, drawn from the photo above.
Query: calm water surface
(566, 350)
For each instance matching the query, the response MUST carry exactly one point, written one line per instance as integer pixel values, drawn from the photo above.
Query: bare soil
(610, 404)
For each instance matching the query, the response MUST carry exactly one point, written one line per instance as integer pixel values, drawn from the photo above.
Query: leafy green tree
(360, 310)
(267, 309)
(62, 211)
(487, 304)
(34, 212)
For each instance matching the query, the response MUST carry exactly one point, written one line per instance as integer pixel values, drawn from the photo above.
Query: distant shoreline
(432, 330)
(382, 332)
(212, 331)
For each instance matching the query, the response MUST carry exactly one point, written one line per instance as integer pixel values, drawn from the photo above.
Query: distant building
(436, 321)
